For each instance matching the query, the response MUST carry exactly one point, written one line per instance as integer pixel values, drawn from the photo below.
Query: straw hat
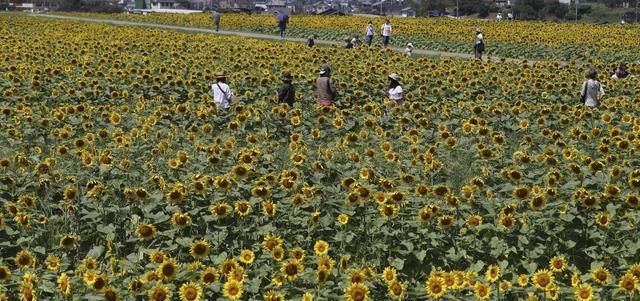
(394, 76)
(286, 76)
(220, 75)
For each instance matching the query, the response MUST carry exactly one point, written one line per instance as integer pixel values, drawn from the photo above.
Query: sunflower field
(121, 180)
(513, 39)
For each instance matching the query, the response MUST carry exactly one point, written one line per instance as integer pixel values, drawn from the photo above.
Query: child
(287, 92)
(409, 50)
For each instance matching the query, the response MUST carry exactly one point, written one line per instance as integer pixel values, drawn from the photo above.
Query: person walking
(287, 92)
(283, 21)
(478, 47)
(216, 19)
(369, 33)
(222, 94)
(311, 40)
(395, 89)
(592, 90)
(325, 88)
(386, 33)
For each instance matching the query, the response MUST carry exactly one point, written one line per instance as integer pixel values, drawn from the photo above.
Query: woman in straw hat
(287, 92)
(222, 94)
(395, 89)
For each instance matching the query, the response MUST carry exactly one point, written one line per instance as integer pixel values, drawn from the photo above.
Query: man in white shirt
(386, 32)
(222, 94)
(479, 45)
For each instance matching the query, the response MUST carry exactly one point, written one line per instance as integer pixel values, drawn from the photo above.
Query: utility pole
(457, 8)
(636, 11)
(577, 11)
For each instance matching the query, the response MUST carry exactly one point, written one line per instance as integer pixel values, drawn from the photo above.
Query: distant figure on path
(386, 33)
(216, 19)
(479, 44)
(325, 88)
(369, 33)
(222, 94)
(311, 40)
(287, 92)
(409, 50)
(592, 89)
(283, 21)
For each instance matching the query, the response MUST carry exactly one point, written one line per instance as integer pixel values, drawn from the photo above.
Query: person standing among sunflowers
(592, 90)
(369, 33)
(283, 21)
(216, 19)
(395, 89)
(386, 33)
(222, 94)
(478, 47)
(325, 88)
(287, 92)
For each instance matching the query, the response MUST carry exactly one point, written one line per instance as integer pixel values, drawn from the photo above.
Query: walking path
(255, 35)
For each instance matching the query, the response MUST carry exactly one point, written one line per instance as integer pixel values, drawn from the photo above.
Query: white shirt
(386, 29)
(408, 51)
(593, 89)
(369, 31)
(479, 38)
(222, 94)
(395, 93)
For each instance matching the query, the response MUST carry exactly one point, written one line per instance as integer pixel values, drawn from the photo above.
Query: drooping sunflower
(357, 292)
(5, 273)
(199, 249)
(64, 285)
(583, 292)
(160, 292)
(435, 287)
(233, 289)
(190, 291)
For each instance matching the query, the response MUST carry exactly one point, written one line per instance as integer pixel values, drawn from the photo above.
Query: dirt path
(254, 35)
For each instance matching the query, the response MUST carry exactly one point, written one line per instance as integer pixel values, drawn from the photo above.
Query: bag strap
(224, 93)
(584, 90)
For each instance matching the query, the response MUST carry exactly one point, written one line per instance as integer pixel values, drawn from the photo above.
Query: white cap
(410, 45)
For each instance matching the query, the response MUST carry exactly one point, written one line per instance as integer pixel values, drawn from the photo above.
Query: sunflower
(396, 290)
(269, 208)
(69, 241)
(388, 211)
(110, 294)
(325, 262)
(64, 285)
(271, 241)
(273, 296)
(25, 259)
(199, 249)
(493, 273)
(389, 274)
(146, 231)
(220, 210)
(600, 275)
(190, 291)
(558, 264)
(89, 263)
(344, 262)
(89, 277)
(277, 253)
(291, 269)
(228, 265)
(473, 221)
(53, 262)
(552, 293)
(100, 282)
(168, 269)
(242, 208)
(209, 276)
(160, 292)
(357, 276)
(445, 221)
(157, 256)
(247, 256)
(136, 285)
(322, 275)
(321, 247)
(356, 292)
(5, 273)
(307, 296)
(628, 283)
(232, 289)
(583, 292)
(180, 220)
(521, 192)
(482, 291)
(435, 287)
(297, 253)
(505, 286)
(542, 279)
